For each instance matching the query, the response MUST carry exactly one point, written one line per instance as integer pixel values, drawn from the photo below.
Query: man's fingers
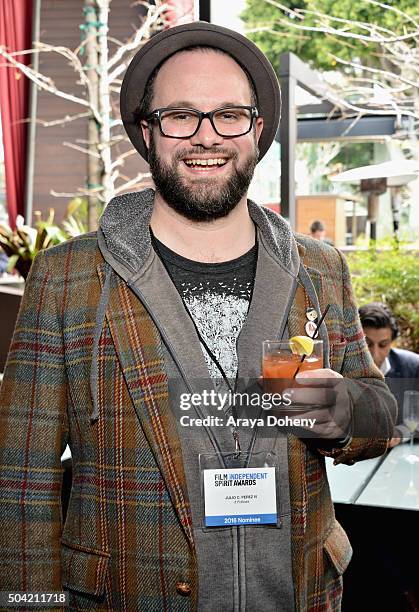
(313, 396)
(319, 378)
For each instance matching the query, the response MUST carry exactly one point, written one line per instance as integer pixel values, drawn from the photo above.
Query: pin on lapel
(311, 325)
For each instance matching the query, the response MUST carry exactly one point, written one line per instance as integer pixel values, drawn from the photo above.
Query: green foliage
(279, 35)
(355, 154)
(75, 221)
(22, 244)
(391, 275)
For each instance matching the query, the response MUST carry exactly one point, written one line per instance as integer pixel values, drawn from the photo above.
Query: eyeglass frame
(156, 114)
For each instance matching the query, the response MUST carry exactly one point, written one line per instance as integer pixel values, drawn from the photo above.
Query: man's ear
(258, 127)
(145, 129)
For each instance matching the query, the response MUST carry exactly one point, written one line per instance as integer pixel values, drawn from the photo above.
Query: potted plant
(22, 244)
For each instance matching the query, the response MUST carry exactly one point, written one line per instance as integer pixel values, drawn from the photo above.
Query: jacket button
(183, 588)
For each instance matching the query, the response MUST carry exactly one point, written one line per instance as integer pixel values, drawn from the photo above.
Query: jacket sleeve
(374, 408)
(33, 434)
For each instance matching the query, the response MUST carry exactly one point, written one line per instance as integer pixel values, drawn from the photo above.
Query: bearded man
(167, 302)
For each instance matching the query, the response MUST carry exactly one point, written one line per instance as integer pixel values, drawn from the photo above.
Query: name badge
(240, 496)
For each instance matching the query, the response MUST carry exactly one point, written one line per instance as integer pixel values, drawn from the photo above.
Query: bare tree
(392, 88)
(100, 77)
(385, 82)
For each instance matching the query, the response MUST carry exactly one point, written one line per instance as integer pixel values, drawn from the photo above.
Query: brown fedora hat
(164, 44)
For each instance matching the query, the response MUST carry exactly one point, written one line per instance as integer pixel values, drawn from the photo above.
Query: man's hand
(394, 442)
(325, 395)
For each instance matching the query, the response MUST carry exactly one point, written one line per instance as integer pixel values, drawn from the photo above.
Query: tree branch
(46, 83)
(376, 71)
(131, 183)
(153, 15)
(388, 7)
(331, 30)
(119, 161)
(71, 145)
(63, 120)
(73, 194)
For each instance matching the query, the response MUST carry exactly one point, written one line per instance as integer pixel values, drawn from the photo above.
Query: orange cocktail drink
(281, 361)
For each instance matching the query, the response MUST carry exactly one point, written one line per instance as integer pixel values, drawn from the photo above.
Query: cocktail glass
(411, 419)
(280, 363)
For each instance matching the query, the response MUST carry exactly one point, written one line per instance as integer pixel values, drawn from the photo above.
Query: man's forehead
(202, 63)
(200, 76)
(196, 55)
(378, 333)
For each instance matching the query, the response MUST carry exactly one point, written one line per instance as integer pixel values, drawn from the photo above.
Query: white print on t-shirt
(219, 318)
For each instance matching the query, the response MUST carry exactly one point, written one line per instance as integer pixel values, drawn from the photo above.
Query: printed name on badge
(240, 496)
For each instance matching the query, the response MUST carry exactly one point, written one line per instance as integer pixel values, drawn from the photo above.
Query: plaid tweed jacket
(127, 543)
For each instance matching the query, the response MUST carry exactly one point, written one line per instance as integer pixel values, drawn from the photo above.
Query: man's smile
(219, 161)
(205, 165)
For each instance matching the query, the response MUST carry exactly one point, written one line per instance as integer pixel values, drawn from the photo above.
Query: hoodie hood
(125, 242)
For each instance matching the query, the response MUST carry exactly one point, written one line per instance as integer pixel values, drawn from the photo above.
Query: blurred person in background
(318, 231)
(381, 329)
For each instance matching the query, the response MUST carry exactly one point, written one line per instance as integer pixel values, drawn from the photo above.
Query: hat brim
(161, 46)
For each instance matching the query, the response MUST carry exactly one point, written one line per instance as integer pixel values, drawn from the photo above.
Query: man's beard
(206, 199)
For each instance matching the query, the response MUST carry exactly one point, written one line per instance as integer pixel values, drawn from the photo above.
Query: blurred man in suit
(381, 329)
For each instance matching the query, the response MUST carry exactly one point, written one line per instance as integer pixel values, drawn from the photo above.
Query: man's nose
(374, 353)
(206, 135)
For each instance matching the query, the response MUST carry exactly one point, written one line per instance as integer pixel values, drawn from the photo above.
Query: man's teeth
(205, 162)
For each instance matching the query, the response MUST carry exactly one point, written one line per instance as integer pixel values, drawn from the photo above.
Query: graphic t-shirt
(217, 296)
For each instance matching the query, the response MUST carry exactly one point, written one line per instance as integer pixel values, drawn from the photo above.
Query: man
(400, 367)
(179, 288)
(381, 329)
(318, 230)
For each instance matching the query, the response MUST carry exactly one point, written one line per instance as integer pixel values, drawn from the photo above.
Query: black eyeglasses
(229, 121)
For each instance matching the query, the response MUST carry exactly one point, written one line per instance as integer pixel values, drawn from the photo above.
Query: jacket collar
(125, 243)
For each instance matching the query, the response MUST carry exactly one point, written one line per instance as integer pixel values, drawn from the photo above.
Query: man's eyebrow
(188, 104)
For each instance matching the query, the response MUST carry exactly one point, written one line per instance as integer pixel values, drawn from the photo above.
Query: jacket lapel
(297, 317)
(138, 346)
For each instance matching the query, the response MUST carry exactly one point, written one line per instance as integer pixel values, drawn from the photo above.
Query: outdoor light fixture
(375, 179)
